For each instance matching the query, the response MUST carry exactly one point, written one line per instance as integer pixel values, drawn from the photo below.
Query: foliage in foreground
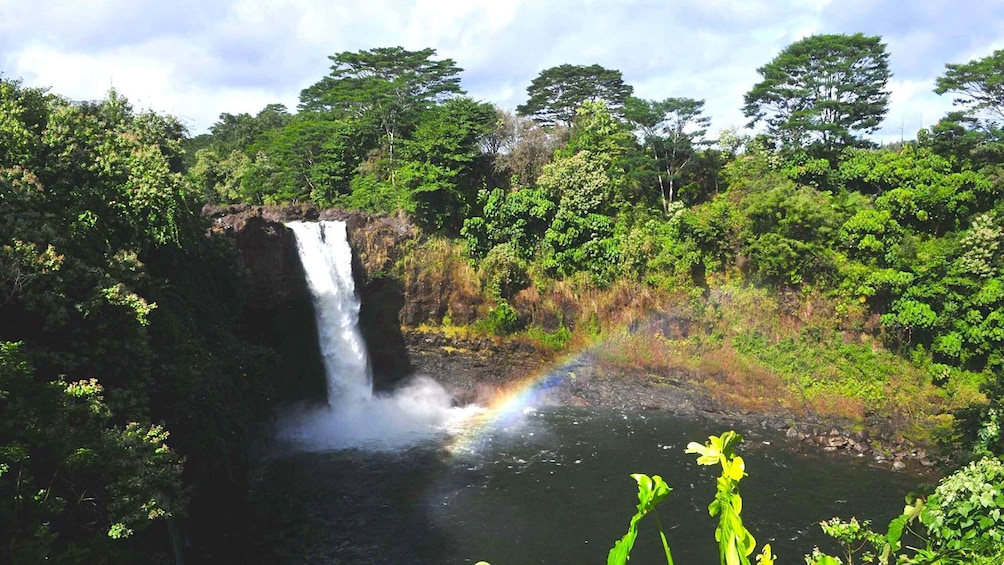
(735, 542)
(959, 524)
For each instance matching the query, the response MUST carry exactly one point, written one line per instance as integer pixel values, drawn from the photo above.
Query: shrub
(556, 340)
(964, 513)
(503, 271)
(501, 320)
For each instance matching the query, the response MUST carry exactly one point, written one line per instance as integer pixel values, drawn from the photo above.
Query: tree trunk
(393, 179)
(662, 192)
(177, 541)
(671, 187)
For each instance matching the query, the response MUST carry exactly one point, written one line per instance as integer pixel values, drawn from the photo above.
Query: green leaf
(651, 491)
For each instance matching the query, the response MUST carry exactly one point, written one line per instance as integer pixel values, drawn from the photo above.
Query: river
(554, 486)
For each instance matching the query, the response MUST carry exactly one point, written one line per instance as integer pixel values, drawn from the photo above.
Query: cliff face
(279, 310)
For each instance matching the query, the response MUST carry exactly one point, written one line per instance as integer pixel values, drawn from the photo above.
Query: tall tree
(309, 158)
(557, 92)
(979, 84)
(588, 183)
(672, 129)
(390, 85)
(445, 158)
(822, 90)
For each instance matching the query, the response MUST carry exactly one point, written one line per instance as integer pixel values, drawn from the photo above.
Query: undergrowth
(799, 353)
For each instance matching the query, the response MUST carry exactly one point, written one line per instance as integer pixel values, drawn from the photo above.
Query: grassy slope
(750, 349)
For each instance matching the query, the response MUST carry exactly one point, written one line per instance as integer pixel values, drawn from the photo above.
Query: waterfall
(327, 263)
(354, 417)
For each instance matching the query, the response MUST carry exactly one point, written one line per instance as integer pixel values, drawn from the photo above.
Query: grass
(448, 331)
(818, 358)
(555, 341)
(801, 355)
(797, 353)
(440, 283)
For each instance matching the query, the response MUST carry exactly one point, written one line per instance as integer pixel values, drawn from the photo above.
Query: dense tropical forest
(825, 273)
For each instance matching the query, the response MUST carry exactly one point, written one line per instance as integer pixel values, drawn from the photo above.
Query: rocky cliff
(279, 308)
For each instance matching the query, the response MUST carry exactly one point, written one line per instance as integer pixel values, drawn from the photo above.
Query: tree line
(128, 386)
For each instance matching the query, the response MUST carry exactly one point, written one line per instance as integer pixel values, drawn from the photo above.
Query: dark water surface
(554, 487)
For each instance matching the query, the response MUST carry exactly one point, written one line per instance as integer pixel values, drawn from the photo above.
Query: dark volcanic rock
(268, 251)
(279, 312)
(279, 309)
(472, 370)
(377, 243)
(477, 370)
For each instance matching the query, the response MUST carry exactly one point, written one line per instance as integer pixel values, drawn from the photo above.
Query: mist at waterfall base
(354, 417)
(420, 411)
(407, 478)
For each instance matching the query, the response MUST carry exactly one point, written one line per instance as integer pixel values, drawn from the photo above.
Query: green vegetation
(978, 84)
(126, 389)
(815, 272)
(557, 93)
(820, 89)
(957, 524)
(881, 264)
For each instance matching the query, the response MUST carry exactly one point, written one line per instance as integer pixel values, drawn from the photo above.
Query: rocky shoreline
(477, 370)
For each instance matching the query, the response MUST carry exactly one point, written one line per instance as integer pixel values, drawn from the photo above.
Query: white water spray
(354, 417)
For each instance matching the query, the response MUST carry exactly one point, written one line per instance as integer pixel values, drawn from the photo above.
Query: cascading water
(327, 262)
(354, 416)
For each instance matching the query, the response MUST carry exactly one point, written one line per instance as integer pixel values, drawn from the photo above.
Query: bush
(964, 513)
(501, 320)
(503, 271)
(556, 340)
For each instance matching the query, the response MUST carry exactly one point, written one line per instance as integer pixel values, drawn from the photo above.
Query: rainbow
(511, 404)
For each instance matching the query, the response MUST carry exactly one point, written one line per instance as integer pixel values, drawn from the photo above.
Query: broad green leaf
(651, 491)
(621, 550)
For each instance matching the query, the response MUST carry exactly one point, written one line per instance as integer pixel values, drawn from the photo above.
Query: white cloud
(913, 105)
(197, 59)
(86, 76)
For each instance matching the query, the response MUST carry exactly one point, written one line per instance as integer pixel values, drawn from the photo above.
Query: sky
(196, 59)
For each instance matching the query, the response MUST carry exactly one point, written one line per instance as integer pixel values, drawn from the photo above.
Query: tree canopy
(388, 86)
(672, 129)
(116, 313)
(979, 84)
(822, 91)
(387, 82)
(444, 159)
(558, 92)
